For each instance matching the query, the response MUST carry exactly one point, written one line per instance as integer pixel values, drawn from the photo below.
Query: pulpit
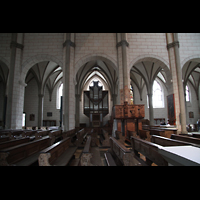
(130, 117)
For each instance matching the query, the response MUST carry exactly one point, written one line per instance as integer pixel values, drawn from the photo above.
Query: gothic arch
(30, 62)
(159, 61)
(96, 56)
(190, 72)
(197, 56)
(4, 61)
(149, 57)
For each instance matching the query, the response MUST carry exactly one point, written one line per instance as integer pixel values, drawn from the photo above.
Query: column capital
(22, 83)
(78, 96)
(173, 44)
(123, 42)
(17, 45)
(69, 43)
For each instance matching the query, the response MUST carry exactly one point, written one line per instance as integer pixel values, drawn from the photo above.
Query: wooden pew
(109, 159)
(149, 150)
(155, 131)
(129, 134)
(17, 134)
(72, 134)
(86, 154)
(163, 141)
(186, 139)
(122, 155)
(40, 134)
(105, 142)
(5, 134)
(12, 143)
(58, 154)
(145, 135)
(195, 135)
(80, 136)
(160, 130)
(4, 139)
(55, 136)
(23, 154)
(30, 134)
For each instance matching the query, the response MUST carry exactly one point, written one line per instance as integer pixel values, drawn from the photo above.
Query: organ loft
(99, 99)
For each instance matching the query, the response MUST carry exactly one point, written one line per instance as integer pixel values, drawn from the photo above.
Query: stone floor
(101, 151)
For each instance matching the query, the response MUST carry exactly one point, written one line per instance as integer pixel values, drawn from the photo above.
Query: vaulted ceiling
(46, 73)
(144, 73)
(3, 73)
(97, 68)
(191, 73)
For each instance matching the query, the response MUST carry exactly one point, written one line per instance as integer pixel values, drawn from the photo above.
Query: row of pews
(26, 148)
(145, 147)
(58, 148)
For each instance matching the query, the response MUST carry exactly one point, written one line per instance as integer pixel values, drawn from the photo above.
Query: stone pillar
(40, 109)
(114, 98)
(68, 82)
(151, 115)
(77, 109)
(174, 58)
(124, 74)
(15, 97)
(114, 127)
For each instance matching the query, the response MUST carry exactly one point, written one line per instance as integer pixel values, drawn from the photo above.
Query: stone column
(15, 97)
(40, 109)
(124, 74)
(77, 109)
(174, 58)
(68, 82)
(114, 127)
(151, 114)
(114, 97)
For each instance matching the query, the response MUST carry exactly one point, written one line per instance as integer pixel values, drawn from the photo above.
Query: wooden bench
(159, 130)
(72, 134)
(145, 135)
(55, 136)
(195, 135)
(17, 134)
(80, 136)
(40, 134)
(58, 154)
(12, 143)
(23, 154)
(86, 154)
(163, 141)
(186, 139)
(149, 150)
(105, 142)
(129, 134)
(155, 131)
(4, 138)
(30, 134)
(122, 155)
(109, 159)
